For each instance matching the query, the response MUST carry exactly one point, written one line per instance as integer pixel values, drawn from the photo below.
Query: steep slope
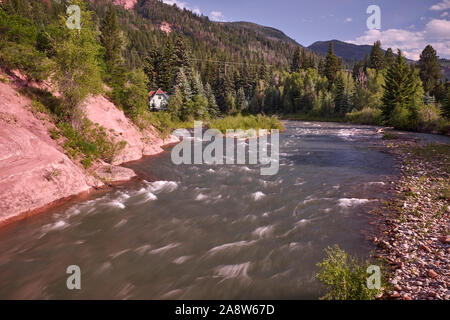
(149, 23)
(35, 170)
(445, 68)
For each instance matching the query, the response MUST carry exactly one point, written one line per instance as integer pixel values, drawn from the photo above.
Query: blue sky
(405, 24)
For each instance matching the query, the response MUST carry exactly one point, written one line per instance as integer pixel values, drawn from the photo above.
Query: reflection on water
(207, 232)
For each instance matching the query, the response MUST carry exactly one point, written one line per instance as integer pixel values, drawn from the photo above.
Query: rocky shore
(414, 237)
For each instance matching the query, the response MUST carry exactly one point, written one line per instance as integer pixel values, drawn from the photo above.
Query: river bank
(414, 226)
(36, 169)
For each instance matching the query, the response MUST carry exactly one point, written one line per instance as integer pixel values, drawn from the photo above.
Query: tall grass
(246, 122)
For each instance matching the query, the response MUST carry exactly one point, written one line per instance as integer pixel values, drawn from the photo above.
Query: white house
(158, 100)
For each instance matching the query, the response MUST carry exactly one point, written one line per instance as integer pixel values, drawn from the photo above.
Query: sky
(405, 24)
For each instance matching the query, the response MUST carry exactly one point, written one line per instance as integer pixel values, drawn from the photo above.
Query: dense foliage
(212, 69)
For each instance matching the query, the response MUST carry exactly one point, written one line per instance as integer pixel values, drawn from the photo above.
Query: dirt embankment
(35, 171)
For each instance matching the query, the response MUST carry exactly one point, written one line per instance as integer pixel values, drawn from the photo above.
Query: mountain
(148, 23)
(342, 49)
(268, 32)
(445, 68)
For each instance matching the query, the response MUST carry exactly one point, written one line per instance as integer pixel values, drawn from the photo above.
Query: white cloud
(217, 16)
(444, 14)
(436, 33)
(197, 11)
(444, 5)
(348, 20)
(438, 29)
(180, 4)
(183, 5)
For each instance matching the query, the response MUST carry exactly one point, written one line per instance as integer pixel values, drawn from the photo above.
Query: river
(208, 232)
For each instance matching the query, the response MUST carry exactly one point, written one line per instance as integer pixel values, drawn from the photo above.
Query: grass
(90, 142)
(246, 122)
(389, 135)
(367, 116)
(161, 121)
(346, 277)
(52, 174)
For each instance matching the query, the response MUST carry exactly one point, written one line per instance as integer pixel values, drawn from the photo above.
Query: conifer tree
(152, 68)
(304, 62)
(389, 57)
(213, 109)
(377, 57)
(182, 83)
(241, 102)
(166, 72)
(111, 38)
(399, 87)
(332, 65)
(296, 60)
(445, 106)
(430, 70)
(175, 105)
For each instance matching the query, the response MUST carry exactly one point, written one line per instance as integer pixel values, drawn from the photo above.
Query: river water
(207, 232)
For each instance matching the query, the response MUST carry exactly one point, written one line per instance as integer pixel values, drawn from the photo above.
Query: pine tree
(430, 70)
(213, 109)
(182, 83)
(183, 57)
(389, 57)
(175, 105)
(340, 97)
(152, 68)
(111, 38)
(332, 65)
(377, 57)
(399, 87)
(445, 106)
(166, 73)
(241, 101)
(304, 63)
(197, 85)
(296, 60)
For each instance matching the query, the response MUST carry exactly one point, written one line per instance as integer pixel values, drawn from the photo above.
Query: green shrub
(345, 276)
(90, 142)
(368, 116)
(400, 119)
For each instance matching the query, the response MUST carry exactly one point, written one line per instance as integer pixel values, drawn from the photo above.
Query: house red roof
(159, 91)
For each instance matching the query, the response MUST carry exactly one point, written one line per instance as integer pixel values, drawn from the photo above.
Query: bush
(345, 276)
(32, 62)
(400, 119)
(368, 116)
